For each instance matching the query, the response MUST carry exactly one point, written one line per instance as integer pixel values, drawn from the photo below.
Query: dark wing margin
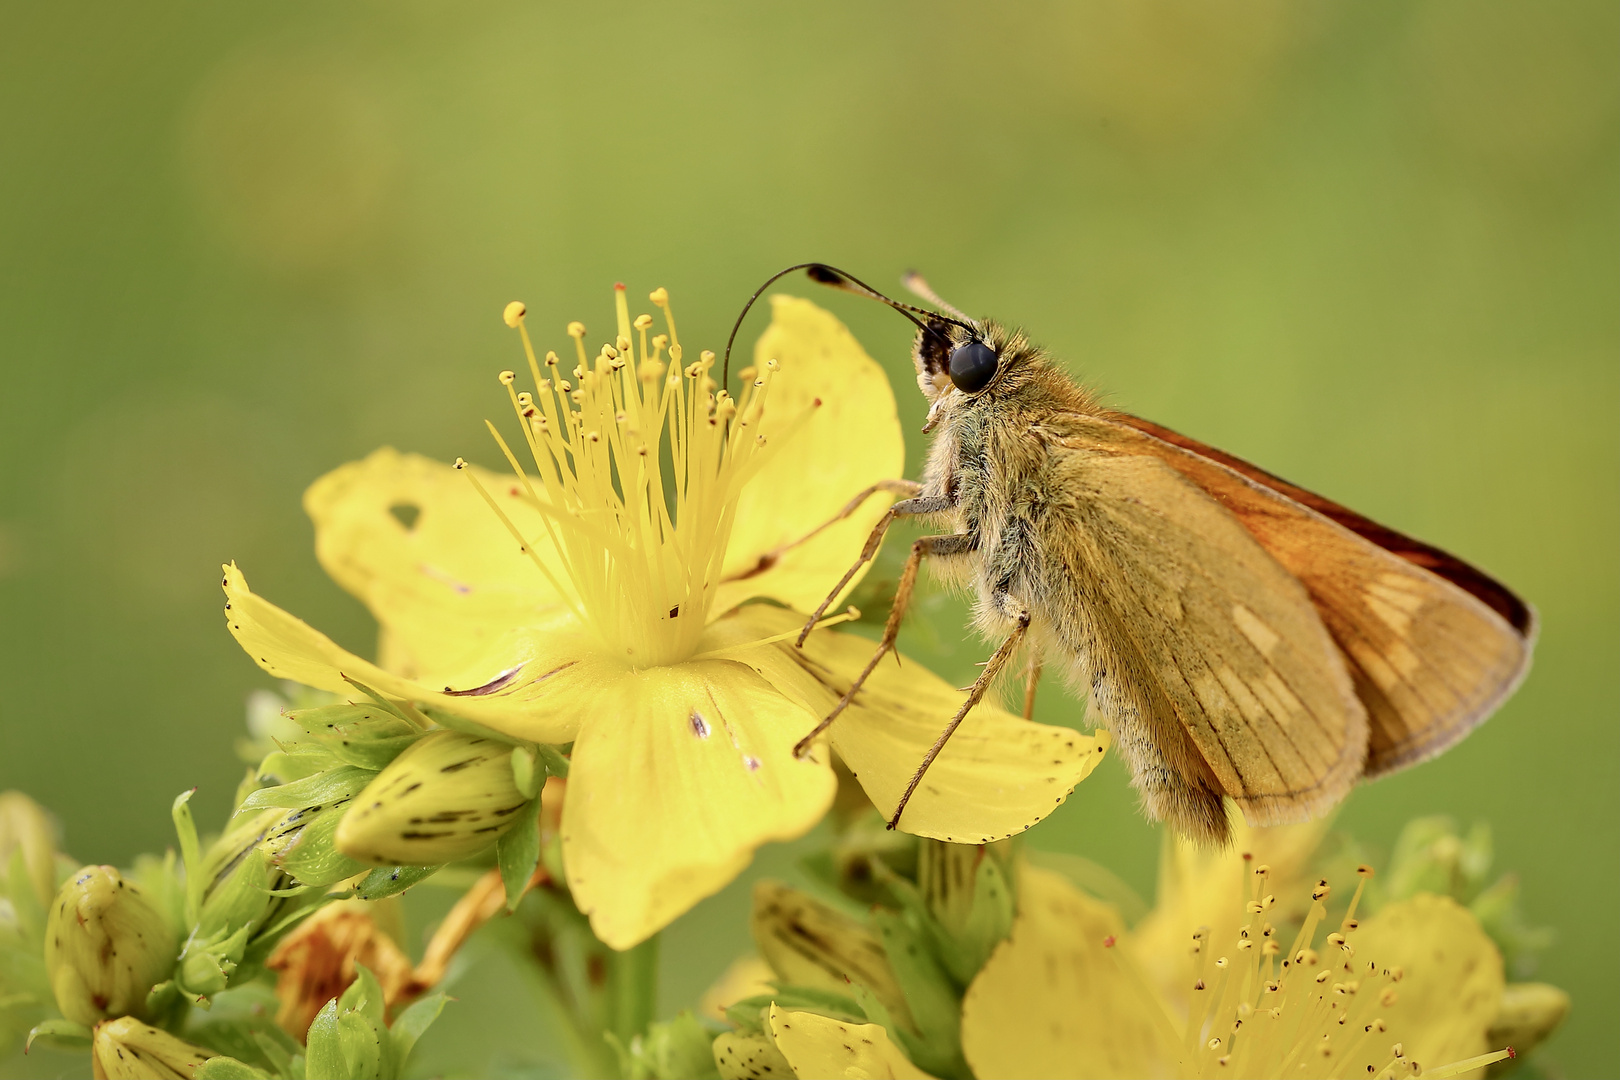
(1492, 593)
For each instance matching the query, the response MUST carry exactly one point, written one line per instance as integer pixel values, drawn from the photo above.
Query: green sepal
(746, 1014)
(518, 852)
(552, 758)
(360, 735)
(412, 1023)
(286, 766)
(185, 826)
(62, 1033)
(307, 851)
(935, 1003)
(988, 923)
(323, 1056)
(228, 1068)
(365, 1047)
(386, 881)
(678, 1049)
(527, 772)
(322, 789)
(383, 703)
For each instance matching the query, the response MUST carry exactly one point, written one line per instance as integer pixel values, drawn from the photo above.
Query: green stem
(633, 990)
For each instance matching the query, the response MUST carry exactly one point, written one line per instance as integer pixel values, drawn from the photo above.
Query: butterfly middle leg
(951, 544)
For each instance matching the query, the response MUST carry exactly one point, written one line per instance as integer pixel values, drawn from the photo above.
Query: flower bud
(26, 827)
(1528, 1014)
(446, 797)
(126, 1049)
(105, 946)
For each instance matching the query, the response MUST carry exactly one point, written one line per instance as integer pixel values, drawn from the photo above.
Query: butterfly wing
(1205, 653)
(1434, 644)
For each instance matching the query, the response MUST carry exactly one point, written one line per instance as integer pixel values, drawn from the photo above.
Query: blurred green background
(1372, 246)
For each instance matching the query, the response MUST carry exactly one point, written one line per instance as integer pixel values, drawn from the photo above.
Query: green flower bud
(105, 946)
(25, 827)
(126, 1049)
(448, 796)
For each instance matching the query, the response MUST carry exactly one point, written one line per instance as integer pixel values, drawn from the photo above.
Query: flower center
(638, 465)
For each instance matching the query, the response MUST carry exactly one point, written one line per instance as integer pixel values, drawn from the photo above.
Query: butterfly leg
(769, 559)
(903, 508)
(980, 685)
(954, 544)
(1032, 677)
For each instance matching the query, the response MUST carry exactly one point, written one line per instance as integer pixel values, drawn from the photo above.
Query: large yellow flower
(598, 597)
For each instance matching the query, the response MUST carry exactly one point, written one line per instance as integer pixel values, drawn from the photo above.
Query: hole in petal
(700, 726)
(406, 514)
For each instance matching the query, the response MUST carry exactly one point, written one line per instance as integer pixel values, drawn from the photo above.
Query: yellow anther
(1263, 869)
(675, 352)
(610, 352)
(622, 344)
(593, 436)
(1336, 939)
(659, 296)
(773, 364)
(643, 322)
(707, 357)
(748, 373)
(1323, 977)
(1399, 1050)
(460, 464)
(576, 329)
(551, 359)
(514, 313)
(1364, 870)
(525, 398)
(508, 378)
(563, 386)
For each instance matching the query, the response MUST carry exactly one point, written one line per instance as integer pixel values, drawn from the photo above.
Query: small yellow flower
(1414, 988)
(599, 597)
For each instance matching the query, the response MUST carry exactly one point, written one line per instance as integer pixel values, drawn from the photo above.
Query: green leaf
(190, 852)
(386, 881)
(63, 1033)
(381, 701)
(323, 788)
(364, 996)
(412, 1023)
(228, 1068)
(323, 1056)
(518, 852)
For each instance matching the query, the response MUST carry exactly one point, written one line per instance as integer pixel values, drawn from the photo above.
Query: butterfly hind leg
(992, 668)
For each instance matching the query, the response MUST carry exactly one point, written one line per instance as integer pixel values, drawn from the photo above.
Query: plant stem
(633, 990)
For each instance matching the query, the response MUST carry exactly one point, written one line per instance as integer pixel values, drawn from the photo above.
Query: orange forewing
(1433, 644)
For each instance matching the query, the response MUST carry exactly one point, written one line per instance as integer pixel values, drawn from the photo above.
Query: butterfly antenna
(830, 276)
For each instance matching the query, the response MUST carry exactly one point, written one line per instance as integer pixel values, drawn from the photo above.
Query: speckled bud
(105, 946)
(126, 1049)
(447, 797)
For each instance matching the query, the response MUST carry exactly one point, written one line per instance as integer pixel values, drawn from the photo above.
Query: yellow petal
(997, 776)
(819, 1047)
(682, 772)
(445, 585)
(1452, 985)
(851, 441)
(544, 682)
(1203, 886)
(1054, 1000)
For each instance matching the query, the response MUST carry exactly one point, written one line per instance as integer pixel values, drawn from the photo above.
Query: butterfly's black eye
(972, 366)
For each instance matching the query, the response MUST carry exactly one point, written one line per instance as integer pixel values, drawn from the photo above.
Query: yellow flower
(597, 597)
(1414, 988)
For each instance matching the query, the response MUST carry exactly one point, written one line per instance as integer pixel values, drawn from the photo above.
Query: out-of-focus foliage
(1371, 246)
